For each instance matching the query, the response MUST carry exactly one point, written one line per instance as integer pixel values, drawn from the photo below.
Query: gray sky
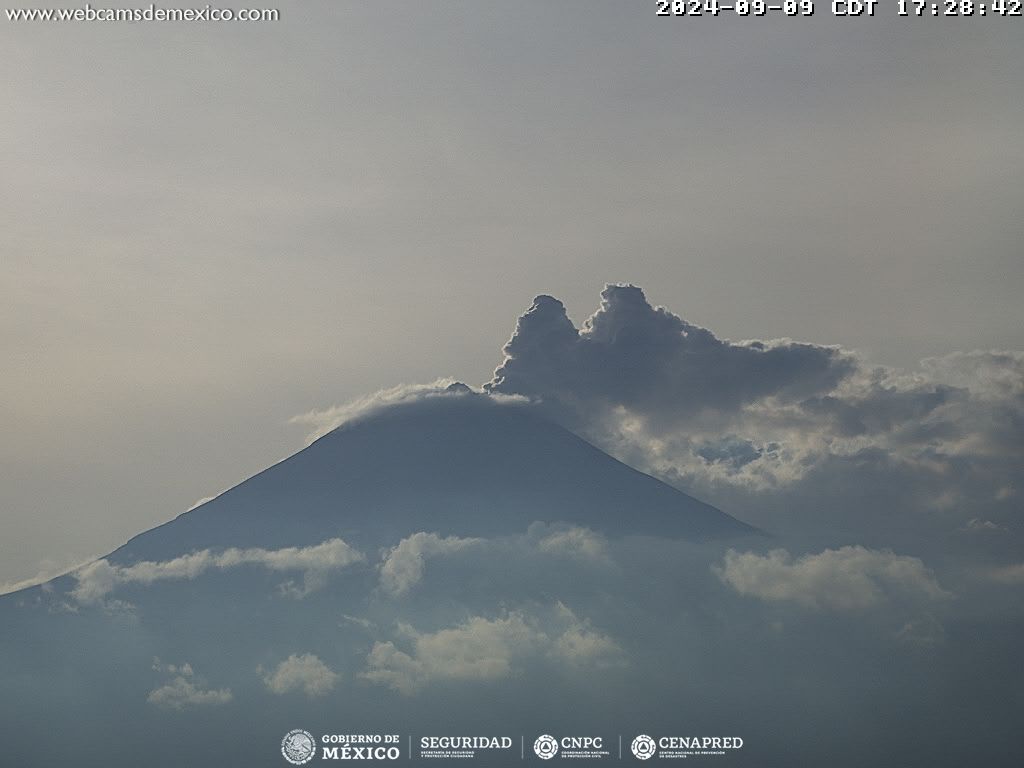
(206, 229)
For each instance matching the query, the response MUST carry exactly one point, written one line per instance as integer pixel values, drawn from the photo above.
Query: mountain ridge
(458, 463)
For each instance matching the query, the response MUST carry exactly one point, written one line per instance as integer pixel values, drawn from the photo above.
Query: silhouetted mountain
(459, 464)
(206, 640)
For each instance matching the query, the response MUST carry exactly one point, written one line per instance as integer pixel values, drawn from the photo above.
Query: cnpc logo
(547, 746)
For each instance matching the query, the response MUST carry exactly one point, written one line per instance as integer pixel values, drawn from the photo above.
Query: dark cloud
(653, 362)
(787, 435)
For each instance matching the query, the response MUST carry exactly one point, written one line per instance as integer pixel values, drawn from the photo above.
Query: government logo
(643, 747)
(298, 746)
(546, 747)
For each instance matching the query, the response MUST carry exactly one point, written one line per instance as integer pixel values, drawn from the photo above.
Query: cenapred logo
(298, 746)
(643, 747)
(546, 747)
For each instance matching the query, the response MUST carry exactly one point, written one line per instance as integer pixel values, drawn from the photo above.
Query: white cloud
(1009, 574)
(845, 579)
(305, 673)
(182, 692)
(48, 572)
(323, 421)
(404, 564)
(98, 579)
(478, 649)
(991, 373)
(95, 581)
(977, 525)
(358, 621)
(184, 689)
(482, 649)
(581, 543)
(580, 644)
(200, 502)
(328, 419)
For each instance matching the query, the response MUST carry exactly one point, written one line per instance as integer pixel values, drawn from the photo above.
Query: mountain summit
(456, 463)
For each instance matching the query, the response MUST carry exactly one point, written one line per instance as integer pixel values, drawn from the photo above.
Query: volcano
(456, 464)
(456, 565)
(458, 524)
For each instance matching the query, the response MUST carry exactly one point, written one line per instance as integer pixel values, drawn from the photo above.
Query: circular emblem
(546, 747)
(644, 747)
(298, 746)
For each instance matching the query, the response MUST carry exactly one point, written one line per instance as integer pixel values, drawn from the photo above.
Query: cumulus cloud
(581, 543)
(846, 579)
(185, 689)
(482, 649)
(580, 645)
(477, 649)
(305, 673)
(992, 374)
(403, 566)
(96, 580)
(670, 396)
(651, 361)
(1008, 574)
(771, 429)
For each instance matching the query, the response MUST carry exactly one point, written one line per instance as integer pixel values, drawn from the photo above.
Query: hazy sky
(207, 229)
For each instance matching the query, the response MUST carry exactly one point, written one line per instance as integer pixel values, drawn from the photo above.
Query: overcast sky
(207, 229)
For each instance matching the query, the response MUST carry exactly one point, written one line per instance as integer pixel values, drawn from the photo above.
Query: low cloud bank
(99, 579)
(185, 689)
(487, 649)
(403, 566)
(845, 579)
